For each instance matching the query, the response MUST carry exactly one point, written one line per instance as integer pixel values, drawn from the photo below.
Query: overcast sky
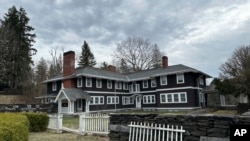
(198, 33)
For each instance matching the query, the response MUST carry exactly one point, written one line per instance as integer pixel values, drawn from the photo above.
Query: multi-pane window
(127, 100)
(148, 99)
(180, 78)
(164, 80)
(125, 86)
(145, 83)
(98, 83)
(54, 87)
(112, 100)
(96, 100)
(118, 85)
(174, 97)
(88, 82)
(153, 83)
(109, 84)
(79, 82)
(134, 88)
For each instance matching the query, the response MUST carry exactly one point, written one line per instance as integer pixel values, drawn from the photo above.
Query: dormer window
(109, 84)
(180, 78)
(153, 83)
(98, 83)
(88, 82)
(79, 82)
(164, 80)
(54, 87)
(145, 83)
(118, 85)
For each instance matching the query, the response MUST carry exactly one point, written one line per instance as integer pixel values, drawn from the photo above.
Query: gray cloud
(201, 34)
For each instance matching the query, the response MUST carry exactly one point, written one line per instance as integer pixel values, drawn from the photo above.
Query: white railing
(94, 123)
(88, 123)
(154, 132)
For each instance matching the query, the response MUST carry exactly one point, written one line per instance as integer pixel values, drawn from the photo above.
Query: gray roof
(141, 75)
(74, 94)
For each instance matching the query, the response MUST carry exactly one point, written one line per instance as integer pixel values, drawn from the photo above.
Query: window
(180, 78)
(98, 83)
(96, 100)
(201, 80)
(174, 97)
(134, 88)
(118, 85)
(79, 82)
(153, 83)
(145, 83)
(125, 86)
(164, 80)
(148, 99)
(109, 84)
(112, 100)
(88, 82)
(127, 100)
(54, 86)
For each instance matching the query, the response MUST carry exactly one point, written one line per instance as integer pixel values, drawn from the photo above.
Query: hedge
(38, 121)
(13, 127)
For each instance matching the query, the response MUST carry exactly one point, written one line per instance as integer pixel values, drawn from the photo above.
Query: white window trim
(116, 85)
(54, 86)
(128, 101)
(79, 82)
(87, 81)
(181, 75)
(113, 99)
(149, 97)
(166, 79)
(152, 83)
(172, 97)
(109, 81)
(99, 100)
(144, 82)
(100, 80)
(124, 86)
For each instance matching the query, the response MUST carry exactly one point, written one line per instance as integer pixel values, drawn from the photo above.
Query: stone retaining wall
(197, 127)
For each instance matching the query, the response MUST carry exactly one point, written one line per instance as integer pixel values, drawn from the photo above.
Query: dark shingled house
(91, 89)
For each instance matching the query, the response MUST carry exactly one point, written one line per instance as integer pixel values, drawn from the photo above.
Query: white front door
(138, 101)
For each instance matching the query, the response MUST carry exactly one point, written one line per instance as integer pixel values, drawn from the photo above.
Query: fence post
(82, 123)
(59, 123)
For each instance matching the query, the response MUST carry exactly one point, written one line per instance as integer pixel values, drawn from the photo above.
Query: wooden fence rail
(154, 132)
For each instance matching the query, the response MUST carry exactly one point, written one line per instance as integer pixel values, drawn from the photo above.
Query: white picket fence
(88, 123)
(154, 132)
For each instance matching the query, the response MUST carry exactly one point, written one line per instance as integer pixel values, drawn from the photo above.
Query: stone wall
(197, 127)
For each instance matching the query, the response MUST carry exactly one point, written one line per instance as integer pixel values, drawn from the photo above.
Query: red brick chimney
(112, 68)
(164, 61)
(68, 68)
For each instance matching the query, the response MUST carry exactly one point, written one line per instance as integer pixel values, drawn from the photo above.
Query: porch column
(87, 105)
(59, 106)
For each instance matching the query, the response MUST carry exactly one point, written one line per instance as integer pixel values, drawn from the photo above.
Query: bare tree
(56, 64)
(136, 52)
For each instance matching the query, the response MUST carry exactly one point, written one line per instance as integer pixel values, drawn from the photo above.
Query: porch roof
(73, 94)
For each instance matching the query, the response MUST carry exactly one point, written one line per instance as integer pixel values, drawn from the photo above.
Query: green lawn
(71, 122)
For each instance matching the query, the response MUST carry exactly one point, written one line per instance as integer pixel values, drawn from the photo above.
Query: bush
(13, 127)
(38, 121)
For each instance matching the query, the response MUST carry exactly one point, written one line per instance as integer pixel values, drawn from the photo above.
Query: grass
(162, 112)
(71, 122)
(225, 112)
(53, 136)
